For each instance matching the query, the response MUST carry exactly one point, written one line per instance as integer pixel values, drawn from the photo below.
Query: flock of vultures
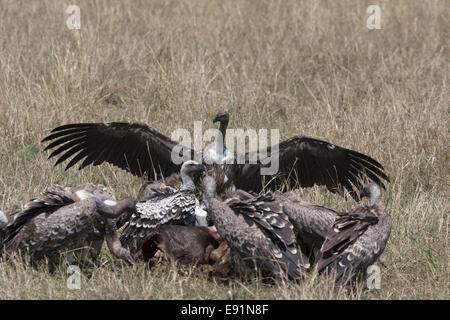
(216, 212)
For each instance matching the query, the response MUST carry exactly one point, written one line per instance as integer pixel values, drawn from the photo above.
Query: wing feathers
(354, 242)
(141, 150)
(305, 161)
(127, 145)
(69, 153)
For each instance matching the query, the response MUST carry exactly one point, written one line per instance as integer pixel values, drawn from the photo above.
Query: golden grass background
(305, 67)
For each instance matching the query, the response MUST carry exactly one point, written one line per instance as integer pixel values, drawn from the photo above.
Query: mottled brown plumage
(311, 222)
(66, 219)
(258, 233)
(356, 239)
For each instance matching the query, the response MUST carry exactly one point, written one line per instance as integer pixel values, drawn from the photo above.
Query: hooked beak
(202, 167)
(216, 118)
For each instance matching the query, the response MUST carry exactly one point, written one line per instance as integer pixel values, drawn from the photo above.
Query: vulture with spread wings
(145, 152)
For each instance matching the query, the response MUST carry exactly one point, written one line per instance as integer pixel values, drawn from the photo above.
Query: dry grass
(309, 67)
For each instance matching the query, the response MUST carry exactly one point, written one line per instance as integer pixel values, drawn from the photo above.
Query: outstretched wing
(304, 162)
(132, 146)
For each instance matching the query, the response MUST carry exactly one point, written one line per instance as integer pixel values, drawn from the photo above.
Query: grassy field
(304, 67)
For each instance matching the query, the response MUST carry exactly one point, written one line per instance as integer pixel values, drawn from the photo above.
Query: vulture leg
(114, 245)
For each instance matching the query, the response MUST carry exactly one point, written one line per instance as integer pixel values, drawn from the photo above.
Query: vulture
(145, 152)
(259, 235)
(162, 206)
(217, 152)
(356, 239)
(65, 219)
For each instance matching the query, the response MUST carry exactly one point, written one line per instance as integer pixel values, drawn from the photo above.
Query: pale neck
(188, 183)
(374, 198)
(208, 194)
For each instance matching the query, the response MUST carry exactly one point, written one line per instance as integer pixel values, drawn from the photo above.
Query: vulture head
(223, 117)
(99, 191)
(191, 170)
(372, 192)
(3, 220)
